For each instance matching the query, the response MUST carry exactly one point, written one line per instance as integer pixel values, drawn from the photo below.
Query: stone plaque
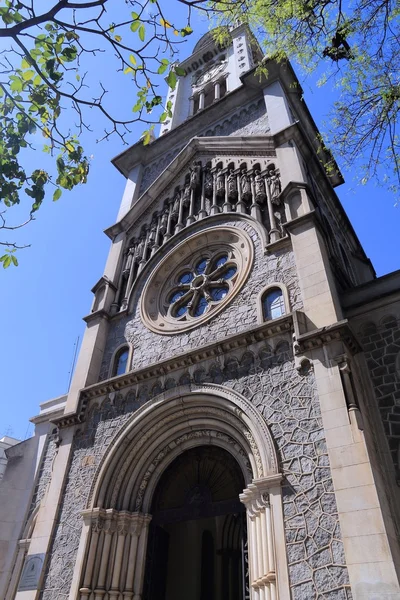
(31, 572)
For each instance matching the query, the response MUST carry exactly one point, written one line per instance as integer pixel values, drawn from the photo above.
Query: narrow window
(273, 304)
(121, 362)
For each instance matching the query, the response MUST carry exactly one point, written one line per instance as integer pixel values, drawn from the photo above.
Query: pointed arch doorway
(197, 538)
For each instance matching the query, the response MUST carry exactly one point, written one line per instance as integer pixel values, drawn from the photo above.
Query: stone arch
(117, 516)
(184, 416)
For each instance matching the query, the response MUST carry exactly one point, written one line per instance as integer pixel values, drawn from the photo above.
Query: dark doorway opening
(197, 538)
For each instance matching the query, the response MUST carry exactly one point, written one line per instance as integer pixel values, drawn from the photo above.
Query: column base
(202, 214)
(274, 235)
(214, 210)
(190, 220)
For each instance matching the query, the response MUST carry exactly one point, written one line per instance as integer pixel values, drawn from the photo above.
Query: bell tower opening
(197, 545)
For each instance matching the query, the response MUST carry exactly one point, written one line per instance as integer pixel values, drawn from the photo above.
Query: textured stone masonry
(382, 352)
(289, 404)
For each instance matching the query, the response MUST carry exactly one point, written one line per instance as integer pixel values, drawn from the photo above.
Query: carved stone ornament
(205, 272)
(208, 182)
(232, 185)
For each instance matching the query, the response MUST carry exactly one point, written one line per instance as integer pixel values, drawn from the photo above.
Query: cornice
(317, 338)
(97, 315)
(308, 218)
(180, 361)
(306, 342)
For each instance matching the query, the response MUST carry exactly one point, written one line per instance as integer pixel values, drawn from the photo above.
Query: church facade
(233, 424)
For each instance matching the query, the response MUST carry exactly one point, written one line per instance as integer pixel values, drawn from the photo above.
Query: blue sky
(45, 298)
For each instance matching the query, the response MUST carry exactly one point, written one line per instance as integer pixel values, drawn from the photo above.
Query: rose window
(196, 280)
(202, 286)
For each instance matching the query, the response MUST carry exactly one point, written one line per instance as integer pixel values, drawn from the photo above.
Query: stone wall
(240, 314)
(288, 402)
(251, 119)
(381, 345)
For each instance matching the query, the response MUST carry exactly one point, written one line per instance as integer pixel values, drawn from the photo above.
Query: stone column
(240, 205)
(226, 207)
(156, 245)
(168, 233)
(273, 233)
(254, 209)
(201, 99)
(179, 224)
(261, 541)
(120, 532)
(217, 90)
(100, 591)
(191, 106)
(143, 259)
(214, 207)
(86, 588)
(141, 559)
(191, 218)
(202, 211)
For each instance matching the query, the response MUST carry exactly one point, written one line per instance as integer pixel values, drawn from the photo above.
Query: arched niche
(119, 509)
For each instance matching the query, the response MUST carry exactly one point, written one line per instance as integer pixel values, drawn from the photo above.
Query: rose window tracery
(196, 280)
(208, 282)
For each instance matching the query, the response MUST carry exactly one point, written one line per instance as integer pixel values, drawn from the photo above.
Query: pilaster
(367, 549)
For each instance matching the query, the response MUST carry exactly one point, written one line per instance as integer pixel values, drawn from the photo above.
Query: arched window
(273, 304)
(120, 362)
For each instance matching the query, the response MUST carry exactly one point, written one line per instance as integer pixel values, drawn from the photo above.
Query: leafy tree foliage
(44, 64)
(47, 55)
(354, 44)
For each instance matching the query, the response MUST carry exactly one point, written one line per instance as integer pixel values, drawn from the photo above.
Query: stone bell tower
(221, 439)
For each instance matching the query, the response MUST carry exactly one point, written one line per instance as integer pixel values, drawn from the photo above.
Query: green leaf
(171, 79)
(16, 85)
(128, 70)
(135, 25)
(57, 194)
(132, 59)
(118, 38)
(14, 260)
(7, 261)
(186, 31)
(142, 32)
(179, 71)
(28, 74)
(161, 69)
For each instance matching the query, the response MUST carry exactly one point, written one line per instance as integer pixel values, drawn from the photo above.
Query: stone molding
(304, 343)
(337, 332)
(172, 422)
